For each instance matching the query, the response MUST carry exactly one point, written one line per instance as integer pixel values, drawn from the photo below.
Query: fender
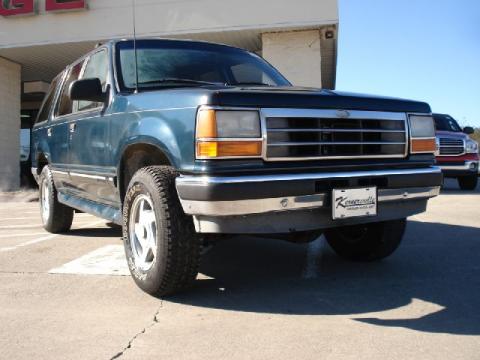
(143, 139)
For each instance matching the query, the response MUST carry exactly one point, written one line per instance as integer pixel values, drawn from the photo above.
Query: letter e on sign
(62, 5)
(16, 7)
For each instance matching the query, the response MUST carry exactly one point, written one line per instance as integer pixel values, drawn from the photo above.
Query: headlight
(422, 134)
(238, 124)
(471, 146)
(228, 134)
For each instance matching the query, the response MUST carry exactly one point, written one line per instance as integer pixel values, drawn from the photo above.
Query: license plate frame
(354, 202)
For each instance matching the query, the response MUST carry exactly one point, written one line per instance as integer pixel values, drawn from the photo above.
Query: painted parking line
(46, 238)
(5, 236)
(107, 260)
(39, 225)
(20, 226)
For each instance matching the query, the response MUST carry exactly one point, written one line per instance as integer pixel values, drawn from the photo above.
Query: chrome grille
(294, 134)
(449, 146)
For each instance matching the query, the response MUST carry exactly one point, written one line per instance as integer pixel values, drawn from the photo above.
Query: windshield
(446, 123)
(167, 63)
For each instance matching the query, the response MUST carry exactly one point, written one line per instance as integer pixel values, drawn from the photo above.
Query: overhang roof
(44, 62)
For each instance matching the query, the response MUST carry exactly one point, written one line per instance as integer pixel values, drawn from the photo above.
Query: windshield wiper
(252, 83)
(177, 81)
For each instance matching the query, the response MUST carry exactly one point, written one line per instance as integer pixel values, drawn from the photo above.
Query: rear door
(56, 135)
(59, 130)
(89, 152)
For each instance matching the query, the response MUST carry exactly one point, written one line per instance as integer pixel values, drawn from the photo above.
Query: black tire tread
(381, 240)
(183, 257)
(468, 182)
(61, 216)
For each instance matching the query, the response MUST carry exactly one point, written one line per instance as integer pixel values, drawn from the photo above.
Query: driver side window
(97, 67)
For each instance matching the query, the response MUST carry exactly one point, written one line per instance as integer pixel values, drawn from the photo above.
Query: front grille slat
(338, 130)
(334, 143)
(322, 137)
(451, 147)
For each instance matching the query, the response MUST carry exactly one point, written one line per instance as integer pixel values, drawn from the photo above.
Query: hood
(451, 134)
(301, 97)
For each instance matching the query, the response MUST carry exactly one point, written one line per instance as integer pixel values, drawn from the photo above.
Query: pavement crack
(140, 333)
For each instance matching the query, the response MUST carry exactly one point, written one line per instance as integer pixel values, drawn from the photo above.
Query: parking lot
(70, 297)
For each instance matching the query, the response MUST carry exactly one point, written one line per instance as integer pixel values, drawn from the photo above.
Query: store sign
(27, 7)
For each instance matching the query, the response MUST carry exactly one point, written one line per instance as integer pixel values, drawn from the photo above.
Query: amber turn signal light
(423, 145)
(219, 149)
(206, 124)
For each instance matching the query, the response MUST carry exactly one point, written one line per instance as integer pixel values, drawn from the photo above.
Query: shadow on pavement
(451, 187)
(436, 263)
(95, 232)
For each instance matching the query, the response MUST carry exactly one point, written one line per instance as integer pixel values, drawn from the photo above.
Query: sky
(425, 50)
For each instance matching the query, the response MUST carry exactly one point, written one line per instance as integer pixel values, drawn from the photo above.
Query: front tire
(56, 217)
(367, 242)
(161, 245)
(468, 182)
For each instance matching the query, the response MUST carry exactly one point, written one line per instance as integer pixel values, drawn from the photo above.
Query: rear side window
(47, 104)
(97, 67)
(65, 105)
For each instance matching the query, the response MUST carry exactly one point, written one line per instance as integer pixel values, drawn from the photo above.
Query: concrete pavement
(255, 298)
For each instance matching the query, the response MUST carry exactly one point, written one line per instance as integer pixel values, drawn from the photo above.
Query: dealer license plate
(347, 203)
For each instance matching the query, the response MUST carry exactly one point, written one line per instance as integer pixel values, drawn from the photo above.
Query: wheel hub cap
(45, 201)
(143, 232)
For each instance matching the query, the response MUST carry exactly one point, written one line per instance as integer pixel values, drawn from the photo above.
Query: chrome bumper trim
(260, 206)
(252, 206)
(385, 195)
(265, 205)
(206, 180)
(464, 167)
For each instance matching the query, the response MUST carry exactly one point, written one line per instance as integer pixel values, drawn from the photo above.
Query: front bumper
(463, 168)
(211, 199)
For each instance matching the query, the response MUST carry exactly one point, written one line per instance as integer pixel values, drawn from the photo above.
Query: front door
(89, 153)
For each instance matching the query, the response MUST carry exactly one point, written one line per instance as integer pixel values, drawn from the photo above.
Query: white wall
(297, 54)
(10, 88)
(113, 18)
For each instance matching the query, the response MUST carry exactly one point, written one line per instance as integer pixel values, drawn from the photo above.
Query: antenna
(135, 46)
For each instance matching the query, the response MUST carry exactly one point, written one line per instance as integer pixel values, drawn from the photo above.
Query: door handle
(49, 132)
(73, 127)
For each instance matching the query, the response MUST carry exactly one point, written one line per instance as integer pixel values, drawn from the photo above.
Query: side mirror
(88, 90)
(468, 130)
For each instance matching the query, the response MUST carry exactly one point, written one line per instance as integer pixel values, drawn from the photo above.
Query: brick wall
(10, 92)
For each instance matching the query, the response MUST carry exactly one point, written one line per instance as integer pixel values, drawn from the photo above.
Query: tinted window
(47, 104)
(446, 123)
(65, 106)
(160, 60)
(97, 67)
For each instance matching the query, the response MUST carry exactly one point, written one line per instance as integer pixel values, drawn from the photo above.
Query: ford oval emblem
(343, 114)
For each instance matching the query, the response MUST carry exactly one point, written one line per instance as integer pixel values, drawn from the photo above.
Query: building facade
(38, 38)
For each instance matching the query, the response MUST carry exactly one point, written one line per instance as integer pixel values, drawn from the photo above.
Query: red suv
(458, 154)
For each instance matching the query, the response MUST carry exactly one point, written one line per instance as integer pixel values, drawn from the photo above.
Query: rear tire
(56, 217)
(161, 245)
(367, 242)
(468, 182)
